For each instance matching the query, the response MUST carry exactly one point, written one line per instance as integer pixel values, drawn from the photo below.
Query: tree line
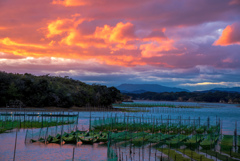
(209, 96)
(46, 91)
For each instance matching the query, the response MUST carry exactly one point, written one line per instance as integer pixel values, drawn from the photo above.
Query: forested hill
(45, 91)
(142, 88)
(210, 96)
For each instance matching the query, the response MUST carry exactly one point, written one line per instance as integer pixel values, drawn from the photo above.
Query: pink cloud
(156, 48)
(9, 56)
(230, 35)
(234, 2)
(227, 60)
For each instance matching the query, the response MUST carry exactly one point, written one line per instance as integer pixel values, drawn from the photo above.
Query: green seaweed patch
(226, 142)
(218, 155)
(10, 125)
(173, 154)
(194, 155)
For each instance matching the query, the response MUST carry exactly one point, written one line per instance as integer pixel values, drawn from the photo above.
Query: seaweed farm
(152, 132)
(10, 121)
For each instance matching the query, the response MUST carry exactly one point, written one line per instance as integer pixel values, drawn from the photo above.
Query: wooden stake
(73, 154)
(15, 147)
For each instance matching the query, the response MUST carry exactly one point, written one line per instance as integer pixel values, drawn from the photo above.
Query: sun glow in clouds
(8, 42)
(213, 83)
(104, 37)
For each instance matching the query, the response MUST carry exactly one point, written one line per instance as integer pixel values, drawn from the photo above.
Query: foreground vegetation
(45, 91)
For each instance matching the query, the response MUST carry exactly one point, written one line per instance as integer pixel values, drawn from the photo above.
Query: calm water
(228, 113)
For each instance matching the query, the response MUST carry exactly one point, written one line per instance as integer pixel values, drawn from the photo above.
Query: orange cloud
(68, 31)
(8, 42)
(22, 52)
(54, 28)
(69, 39)
(230, 35)
(121, 33)
(115, 3)
(60, 26)
(106, 44)
(155, 48)
(121, 60)
(52, 43)
(70, 2)
(104, 37)
(119, 37)
(3, 28)
(60, 51)
(122, 36)
(76, 38)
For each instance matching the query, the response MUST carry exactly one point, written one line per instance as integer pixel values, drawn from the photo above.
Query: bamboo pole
(26, 136)
(15, 147)
(73, 154)
(90, 121)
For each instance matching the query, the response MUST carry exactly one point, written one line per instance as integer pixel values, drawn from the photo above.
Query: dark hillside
(44, 91)
(142, 88)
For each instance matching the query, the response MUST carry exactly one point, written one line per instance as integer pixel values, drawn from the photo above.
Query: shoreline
(88, 109)
(59, 109)
(185, 102)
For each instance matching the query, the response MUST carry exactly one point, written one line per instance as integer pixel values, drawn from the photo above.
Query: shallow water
(228, 113)
(39, 151)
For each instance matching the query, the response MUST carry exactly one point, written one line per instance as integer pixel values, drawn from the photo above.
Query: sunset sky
(192, 44)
